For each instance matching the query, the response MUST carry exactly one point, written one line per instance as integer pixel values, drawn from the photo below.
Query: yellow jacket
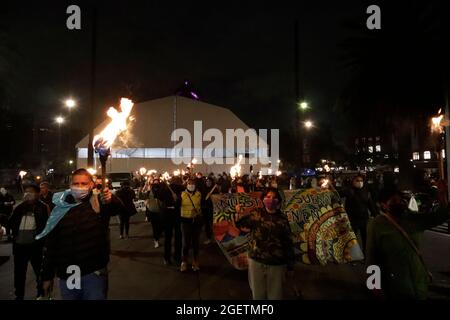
(187, 209)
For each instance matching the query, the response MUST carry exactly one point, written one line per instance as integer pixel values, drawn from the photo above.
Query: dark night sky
(236, 55)
(239, 56)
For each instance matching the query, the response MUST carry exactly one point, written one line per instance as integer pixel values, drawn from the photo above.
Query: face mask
(397, 209)
(29, 196)
(191, 187)
(270, 203)
(3, 191)
(80, 193)
(359, 185)
(274, 185)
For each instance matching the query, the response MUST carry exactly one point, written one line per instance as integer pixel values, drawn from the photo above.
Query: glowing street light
(308, 124)
(70, 103)
(303, 105)
(59, 120)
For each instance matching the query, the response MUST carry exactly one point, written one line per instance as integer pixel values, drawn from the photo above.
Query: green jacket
(403, 275)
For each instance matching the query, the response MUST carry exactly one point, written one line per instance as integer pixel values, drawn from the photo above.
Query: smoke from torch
(104, 141)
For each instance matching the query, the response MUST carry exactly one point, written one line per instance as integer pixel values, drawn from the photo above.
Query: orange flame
(436, 122)
(117, 125)
(235, 170)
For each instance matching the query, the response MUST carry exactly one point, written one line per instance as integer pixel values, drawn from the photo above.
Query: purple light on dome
(194, 95)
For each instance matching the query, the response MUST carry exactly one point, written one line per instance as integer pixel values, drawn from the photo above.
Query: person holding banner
(271, 250)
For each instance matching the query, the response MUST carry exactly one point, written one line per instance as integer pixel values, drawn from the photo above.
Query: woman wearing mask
(271, 251)
(190, 224)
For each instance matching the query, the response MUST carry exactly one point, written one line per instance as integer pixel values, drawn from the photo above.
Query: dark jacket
(48, 200)
(127, 196)
(358, 204)
(81, 238)
(403, 276)
(39, 210)
(6, 209)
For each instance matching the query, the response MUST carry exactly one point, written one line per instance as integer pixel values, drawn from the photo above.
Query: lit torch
(104, 141)
(235, 170)
(436, 122)
(22, 174)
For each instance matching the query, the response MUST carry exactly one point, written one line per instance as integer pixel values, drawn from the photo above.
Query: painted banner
(232, 241)
(320, 226)
(140, 205)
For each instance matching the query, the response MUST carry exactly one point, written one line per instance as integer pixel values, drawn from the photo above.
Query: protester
(208, 209)
(359, 205)
(271, 251)
(7, 203)
(190, 224)
(46, 195)
(168, 196)
(127, 196)
(27, 220)
(393, 245)
(153, 206)
(77, 234)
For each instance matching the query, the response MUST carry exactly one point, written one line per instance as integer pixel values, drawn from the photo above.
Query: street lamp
(303, 106)
(70, 103)
(59, 120)
(308, 124)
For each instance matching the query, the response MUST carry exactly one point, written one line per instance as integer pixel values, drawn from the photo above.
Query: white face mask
(191, 187)
(274, 185)
(29, 196)
(79, 193)
(3, 191)
(359, 185)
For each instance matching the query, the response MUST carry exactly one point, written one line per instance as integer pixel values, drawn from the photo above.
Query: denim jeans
(93, 287)
(266, 281)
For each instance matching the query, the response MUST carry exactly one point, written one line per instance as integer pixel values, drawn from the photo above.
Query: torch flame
(22, 174)
(436, 122)
(324, 183)
(150, 172)
(117, 125)
(176, 173)
(235, 170)
(166, 176)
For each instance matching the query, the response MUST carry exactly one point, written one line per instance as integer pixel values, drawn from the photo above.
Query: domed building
(194, 124)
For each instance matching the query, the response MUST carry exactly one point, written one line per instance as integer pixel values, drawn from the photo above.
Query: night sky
(236, 55)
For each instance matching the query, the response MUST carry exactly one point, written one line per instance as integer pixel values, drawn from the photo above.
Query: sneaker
(183, 266)
(156, 244)
(208, 241)
(195, 267)
(121, 237)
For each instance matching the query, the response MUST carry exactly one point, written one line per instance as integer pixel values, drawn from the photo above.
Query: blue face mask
(80, 193)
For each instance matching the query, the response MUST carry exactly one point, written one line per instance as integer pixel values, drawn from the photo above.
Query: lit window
(371, 149)
(443, 153)
(378, 148)
(416, 156)
(427, 155)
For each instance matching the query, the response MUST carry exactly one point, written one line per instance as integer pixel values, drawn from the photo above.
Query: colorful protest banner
(320, 226)
(232, 241)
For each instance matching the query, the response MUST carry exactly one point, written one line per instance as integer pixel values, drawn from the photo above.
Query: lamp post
(59, 121)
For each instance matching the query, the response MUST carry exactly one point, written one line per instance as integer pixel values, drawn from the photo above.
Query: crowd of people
(71, 228)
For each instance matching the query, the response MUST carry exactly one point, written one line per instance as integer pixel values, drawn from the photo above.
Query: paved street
(137, 272)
